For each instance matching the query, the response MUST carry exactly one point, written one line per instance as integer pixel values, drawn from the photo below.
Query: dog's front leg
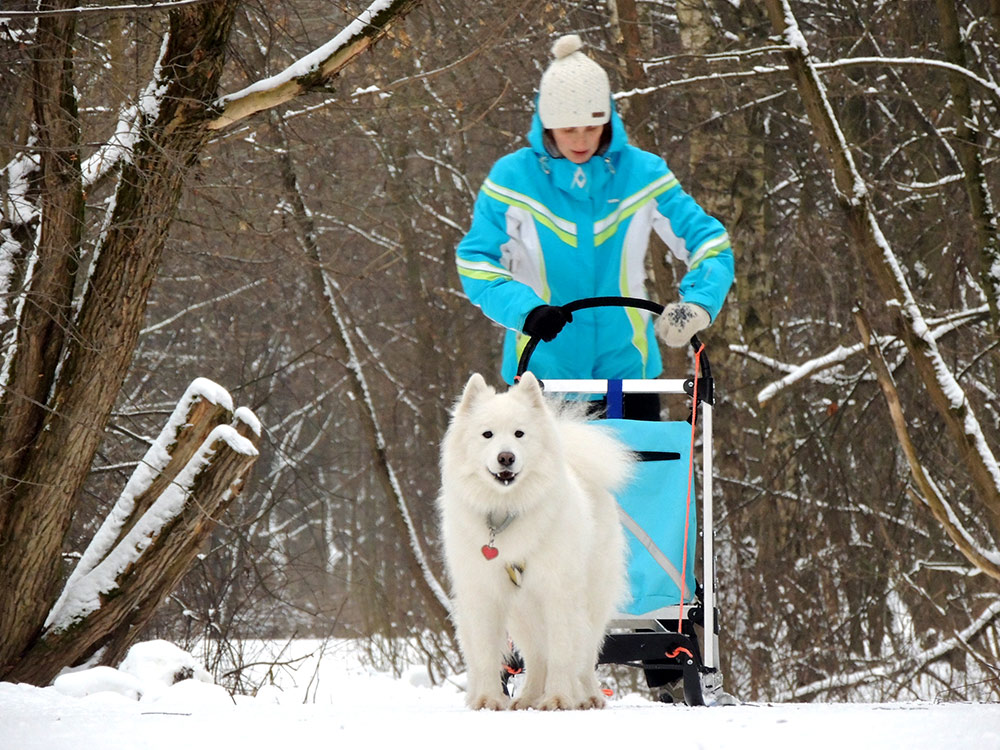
(565, 654)
(482, 639)
(528, 631)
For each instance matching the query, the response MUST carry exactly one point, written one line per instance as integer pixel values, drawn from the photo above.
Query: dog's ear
(475, 388)
(529, 388)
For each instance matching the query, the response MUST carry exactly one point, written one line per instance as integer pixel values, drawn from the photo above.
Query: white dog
(532, 541)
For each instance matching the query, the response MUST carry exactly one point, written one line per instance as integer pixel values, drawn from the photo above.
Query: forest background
(293, 242)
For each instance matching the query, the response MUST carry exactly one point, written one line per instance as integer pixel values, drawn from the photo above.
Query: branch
(92, 10)
(909, 665)
(925, 489)
(839, 355)
(318, 68)
(955, 71)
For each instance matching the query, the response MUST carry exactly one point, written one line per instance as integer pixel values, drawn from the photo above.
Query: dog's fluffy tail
(596, 455)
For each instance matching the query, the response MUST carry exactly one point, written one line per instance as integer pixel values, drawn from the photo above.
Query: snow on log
(203, 406)
(200, 472)
(247, 424)
(187, 480)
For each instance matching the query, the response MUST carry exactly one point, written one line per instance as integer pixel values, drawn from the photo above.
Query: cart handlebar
(590, 302)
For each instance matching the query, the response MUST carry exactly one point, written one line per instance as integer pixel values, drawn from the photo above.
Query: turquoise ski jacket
(548, 231)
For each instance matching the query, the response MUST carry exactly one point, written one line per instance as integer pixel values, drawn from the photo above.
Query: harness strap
(615, 408)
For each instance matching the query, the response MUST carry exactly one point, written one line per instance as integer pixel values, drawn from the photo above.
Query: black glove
(545, 321)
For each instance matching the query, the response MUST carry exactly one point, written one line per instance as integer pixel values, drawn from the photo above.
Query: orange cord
(687, 511)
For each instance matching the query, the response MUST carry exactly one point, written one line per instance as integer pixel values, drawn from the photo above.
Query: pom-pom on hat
(575, 90)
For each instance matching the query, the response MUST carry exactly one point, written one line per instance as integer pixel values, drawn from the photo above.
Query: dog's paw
(525, 703)
(557, 703)
(489, 703)
(593, 701)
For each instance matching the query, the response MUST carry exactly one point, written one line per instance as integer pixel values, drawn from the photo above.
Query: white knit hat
(574, 91)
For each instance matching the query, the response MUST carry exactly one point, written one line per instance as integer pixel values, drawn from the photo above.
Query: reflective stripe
(636, 317)
(522, 341)
(708, 250)
(639, 339)
(481, 271)
(565, 230)
(606, 227)
(646, 541)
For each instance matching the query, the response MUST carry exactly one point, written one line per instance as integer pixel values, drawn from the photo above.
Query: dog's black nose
(506, 459)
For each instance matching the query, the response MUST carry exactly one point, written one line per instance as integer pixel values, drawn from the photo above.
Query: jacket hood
(536, 135)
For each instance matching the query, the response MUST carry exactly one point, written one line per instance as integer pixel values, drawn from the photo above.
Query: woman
(569, 217)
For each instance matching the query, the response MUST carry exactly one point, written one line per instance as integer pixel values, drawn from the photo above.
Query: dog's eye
(487, 434)
(519, 433)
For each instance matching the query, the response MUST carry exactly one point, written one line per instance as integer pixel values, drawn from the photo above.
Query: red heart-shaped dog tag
(490, 552)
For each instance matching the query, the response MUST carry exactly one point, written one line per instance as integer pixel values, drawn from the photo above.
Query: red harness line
(687, 510)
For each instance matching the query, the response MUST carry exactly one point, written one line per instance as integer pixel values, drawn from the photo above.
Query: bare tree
(68, 352)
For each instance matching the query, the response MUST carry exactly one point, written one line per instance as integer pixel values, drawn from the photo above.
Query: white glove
(679, 321)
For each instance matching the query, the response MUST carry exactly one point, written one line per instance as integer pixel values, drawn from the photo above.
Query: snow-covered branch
(837, 356)
(315, 69)
(945, 393)
(990, 87)
(86, 10)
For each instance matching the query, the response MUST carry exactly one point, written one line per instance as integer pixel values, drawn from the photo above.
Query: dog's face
(501, 438)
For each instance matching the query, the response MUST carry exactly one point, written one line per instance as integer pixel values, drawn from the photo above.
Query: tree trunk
(62, 378)
(726, 164)
(52, 445)
(29, 546)
(43, 317)
(967, 144)
(415, 560)
(927, 490)
(109, 604)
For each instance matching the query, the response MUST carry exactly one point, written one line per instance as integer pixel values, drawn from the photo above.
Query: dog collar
(496, 528)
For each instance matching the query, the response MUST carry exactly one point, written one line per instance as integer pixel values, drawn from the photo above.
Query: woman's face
(578, 144)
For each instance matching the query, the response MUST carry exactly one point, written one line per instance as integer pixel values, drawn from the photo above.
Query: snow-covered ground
(335, 701)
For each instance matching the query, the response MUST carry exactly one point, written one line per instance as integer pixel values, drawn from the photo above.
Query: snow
(243, 415)
(128, 130)
(18, 208)
(331, 699)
